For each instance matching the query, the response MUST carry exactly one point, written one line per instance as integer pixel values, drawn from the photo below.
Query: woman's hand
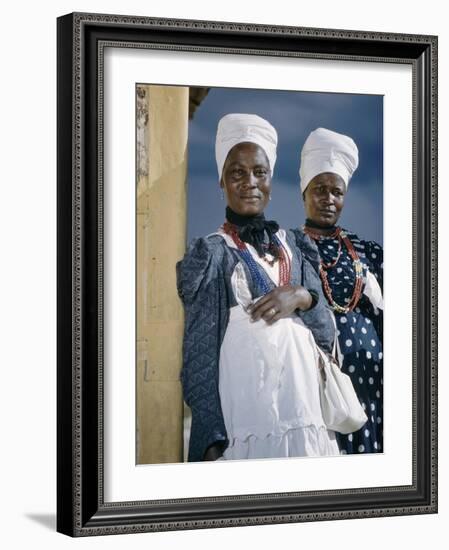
(280, 302)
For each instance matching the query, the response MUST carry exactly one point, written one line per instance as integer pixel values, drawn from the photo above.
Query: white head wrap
(327, 151)
(239, 128)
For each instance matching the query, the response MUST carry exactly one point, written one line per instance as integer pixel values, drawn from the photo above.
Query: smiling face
(246, 179)
(324, 199)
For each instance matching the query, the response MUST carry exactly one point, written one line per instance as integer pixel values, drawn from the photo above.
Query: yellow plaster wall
(161, 236)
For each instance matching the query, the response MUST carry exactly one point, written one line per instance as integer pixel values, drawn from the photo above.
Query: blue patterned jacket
(204, 285)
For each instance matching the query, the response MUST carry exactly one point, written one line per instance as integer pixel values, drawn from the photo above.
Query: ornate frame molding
(81, 42)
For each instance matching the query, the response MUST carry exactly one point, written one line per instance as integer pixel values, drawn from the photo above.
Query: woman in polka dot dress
(351, 271)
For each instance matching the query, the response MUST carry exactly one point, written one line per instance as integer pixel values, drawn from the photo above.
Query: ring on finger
(272, 312)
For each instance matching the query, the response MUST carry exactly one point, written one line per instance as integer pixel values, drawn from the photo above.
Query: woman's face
(246, 179)
(324, 198)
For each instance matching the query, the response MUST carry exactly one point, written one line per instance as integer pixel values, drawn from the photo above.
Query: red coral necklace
(284, 260)
(357, 264)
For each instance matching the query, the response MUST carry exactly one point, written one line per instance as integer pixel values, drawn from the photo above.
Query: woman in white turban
(252, 382)
(351, 271)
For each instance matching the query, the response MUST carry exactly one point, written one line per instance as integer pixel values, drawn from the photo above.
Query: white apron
(268, 383)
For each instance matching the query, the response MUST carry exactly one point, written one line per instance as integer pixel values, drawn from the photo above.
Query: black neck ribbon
(256, 231)
(313, 225)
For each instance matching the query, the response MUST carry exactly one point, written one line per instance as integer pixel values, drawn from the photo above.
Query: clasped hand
(280, 302)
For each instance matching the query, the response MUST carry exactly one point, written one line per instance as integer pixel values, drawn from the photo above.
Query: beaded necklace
(259, 275)
(357, 264)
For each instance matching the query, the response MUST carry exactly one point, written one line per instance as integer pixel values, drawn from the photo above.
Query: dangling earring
(269, 197)
(222, 194)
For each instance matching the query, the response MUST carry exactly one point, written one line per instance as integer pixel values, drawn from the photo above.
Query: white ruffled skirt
(269, 390)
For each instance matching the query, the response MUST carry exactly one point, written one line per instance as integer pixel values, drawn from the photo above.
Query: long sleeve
(319, 318)
(375, 256)
(203, 293)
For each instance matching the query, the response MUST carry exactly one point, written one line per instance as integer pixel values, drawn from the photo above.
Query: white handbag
(340, 406)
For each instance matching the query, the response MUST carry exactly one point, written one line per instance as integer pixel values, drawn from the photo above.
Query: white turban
(239, 128)
(327, 151)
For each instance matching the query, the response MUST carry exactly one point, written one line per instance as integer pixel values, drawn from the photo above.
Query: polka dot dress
(360, 339)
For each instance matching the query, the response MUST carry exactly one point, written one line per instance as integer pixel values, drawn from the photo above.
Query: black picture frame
(81, 510)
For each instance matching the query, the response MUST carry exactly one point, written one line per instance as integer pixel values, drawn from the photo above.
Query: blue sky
(294, 115)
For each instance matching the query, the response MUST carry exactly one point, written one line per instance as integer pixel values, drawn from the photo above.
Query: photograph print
(259, 274)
